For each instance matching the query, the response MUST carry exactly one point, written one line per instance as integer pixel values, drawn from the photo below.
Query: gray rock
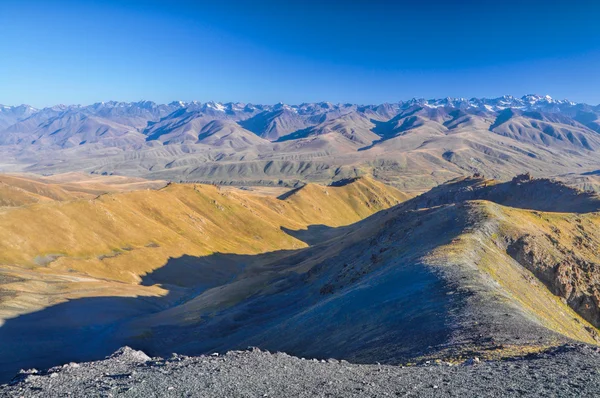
(569, 370)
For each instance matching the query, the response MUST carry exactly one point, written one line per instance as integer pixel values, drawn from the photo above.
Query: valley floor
(569, 370)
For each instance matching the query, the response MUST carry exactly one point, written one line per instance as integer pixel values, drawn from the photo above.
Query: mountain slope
(536, 128)
(59, 254)
(413, 144)
(405, 283)
(219, 133)
(473, 267)
(275, 124)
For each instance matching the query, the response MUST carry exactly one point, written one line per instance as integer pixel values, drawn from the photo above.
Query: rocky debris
(525, 177)
(569, 370)
(128, 354)
(472, 361)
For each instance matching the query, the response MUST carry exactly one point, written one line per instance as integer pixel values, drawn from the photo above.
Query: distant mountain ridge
(416, 143)
(530, 101)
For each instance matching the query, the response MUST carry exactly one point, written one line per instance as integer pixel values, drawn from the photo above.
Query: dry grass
(485, 246)
(120, 237)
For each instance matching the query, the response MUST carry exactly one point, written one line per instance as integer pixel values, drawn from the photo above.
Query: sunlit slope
(24, 189)
(556, 289)
(122, 236)
(358, 199)
(18, 191)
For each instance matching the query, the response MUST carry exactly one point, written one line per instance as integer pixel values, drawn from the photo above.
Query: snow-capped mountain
(12, 114)
(529, 102)
(234, 140)
(268, 121)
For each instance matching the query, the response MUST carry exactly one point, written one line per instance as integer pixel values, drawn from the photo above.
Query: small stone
(472, 361)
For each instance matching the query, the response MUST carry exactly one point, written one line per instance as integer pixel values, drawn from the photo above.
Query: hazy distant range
(414, 144)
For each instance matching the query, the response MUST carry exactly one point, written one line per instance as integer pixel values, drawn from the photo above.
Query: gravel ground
(570, 370)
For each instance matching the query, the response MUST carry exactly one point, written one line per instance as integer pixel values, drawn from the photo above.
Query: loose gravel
(569, 370)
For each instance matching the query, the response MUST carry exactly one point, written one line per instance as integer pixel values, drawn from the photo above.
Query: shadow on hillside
(263, 302)
(591, 173)
(298, 134)
(315, 234)
(89, 328)
(382, 129)
(522, 192)
(262, 299)
(289, 193)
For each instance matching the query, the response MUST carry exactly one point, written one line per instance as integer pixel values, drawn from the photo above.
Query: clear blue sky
(269, 51)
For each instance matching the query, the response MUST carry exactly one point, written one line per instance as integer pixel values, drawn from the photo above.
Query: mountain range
(413, 144)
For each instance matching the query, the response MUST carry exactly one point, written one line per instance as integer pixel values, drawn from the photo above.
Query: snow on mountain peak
(217, 106)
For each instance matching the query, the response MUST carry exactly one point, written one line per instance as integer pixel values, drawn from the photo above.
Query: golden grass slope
(24, 189)
(19, 191)
(119, 237)
(487, 246)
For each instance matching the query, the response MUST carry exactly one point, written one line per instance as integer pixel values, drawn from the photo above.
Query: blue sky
(270, 51)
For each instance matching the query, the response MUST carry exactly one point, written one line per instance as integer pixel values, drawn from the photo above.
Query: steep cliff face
(567, 273)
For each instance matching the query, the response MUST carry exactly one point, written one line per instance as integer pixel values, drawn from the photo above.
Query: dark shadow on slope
(315, 234)
(87, 329)
(503, 117)
(521, 192)
(371, 145)
(296, 135)
(200, 273)
(78, 330)
(277, 307)
(382, 129)
(289, 193)
(591, 173)
(344, 181)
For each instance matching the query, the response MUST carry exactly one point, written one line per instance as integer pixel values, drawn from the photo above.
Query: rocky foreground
(569, 370)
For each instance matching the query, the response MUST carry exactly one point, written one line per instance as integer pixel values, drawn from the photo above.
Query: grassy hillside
(18, 191)
(459, 277)
(24, 189)
(120, 237)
